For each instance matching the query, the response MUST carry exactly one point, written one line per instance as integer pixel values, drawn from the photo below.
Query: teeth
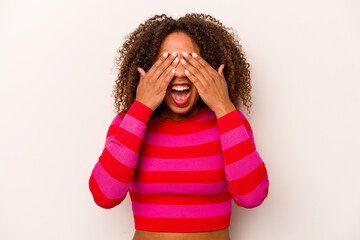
(180, 88)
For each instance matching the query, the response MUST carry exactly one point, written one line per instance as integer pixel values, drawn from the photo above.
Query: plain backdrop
(57, 73)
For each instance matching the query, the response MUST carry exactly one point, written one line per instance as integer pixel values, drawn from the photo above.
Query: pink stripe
(243, 166)
(185, 164)
(107, 141)
(208, 115)
(123, 154)
(250, 133)
(181, 211)
(202, 137)
(180, 188)
(241, 114)
(233, 137)
(255, 197)
(133, 125)
(251, 136)
(110, 187)
(117, 120)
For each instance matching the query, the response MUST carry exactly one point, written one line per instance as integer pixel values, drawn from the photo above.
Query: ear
(221, 70)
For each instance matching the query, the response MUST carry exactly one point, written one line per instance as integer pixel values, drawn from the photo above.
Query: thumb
(142, 72)
(221, 70)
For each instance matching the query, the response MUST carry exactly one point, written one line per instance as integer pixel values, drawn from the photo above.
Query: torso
(144, 163)
(222, 234)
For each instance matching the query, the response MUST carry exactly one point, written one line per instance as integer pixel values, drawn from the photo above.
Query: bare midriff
(222, 234)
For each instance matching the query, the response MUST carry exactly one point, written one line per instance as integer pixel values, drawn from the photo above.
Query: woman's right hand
(152, 86)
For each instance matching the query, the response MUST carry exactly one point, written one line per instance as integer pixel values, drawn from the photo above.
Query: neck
(165, 112)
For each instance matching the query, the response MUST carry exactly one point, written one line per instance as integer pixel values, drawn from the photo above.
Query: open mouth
(180, 97)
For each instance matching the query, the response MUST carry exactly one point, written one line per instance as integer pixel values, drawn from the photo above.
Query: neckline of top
(198, 115)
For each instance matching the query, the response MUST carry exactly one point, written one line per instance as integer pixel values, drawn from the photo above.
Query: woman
(178, 144)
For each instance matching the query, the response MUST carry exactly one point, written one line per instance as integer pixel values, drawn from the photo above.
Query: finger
(142, 72)
(194, 71)
(221, 70)
(168, 74)
(164, 65)
(158, 62)
(197, 83)
(207, 70)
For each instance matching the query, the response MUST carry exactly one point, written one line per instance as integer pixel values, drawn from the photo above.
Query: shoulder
(245, 120)
(122, 113)
(241, 114)
(119, 117)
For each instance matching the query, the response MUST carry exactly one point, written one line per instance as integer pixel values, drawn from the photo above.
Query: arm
(245, 171)
(111, 177)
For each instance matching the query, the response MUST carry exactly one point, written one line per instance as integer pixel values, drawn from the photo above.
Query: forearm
(245, 171)
(224, 109)
(111, 177)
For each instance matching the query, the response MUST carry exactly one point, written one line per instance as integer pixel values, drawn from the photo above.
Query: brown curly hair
(218, 44)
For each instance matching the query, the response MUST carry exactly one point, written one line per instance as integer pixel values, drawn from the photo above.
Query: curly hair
(218, 44)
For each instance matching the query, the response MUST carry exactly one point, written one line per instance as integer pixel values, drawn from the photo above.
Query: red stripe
(140, 111)
(249, 182)
(123, 113)
(232, 121)
(201, 150)
(128, 139)
(116, 169)
(182, 224)
(238, 151)
(205, 176)
(266, 193)
(229, 122)
(246, 124)
(99, 198)
(188, 128)
(112, 130)
(113, 127)
(185, 199)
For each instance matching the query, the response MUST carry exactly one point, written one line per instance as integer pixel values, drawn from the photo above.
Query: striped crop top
(181, 175)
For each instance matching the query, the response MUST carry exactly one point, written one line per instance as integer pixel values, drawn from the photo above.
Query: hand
(210, 84)
(152, 86)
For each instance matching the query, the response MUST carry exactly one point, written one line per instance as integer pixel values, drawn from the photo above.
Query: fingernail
(174, 54)
(185, 54)
(194, 54)
(176, 60)
(182, 61)
(186, 71)
(165, 54)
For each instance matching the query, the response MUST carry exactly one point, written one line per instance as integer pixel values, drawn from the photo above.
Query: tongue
(180, 95)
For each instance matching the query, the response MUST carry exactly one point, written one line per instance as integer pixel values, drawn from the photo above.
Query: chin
(180, 109)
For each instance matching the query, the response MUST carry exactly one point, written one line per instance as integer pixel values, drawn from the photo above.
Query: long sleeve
(111, 177)
(245, 171)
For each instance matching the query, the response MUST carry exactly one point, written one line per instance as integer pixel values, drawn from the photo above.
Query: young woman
(178, 144)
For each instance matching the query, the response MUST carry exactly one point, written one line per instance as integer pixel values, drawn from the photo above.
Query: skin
(179, 42)
(207, 83)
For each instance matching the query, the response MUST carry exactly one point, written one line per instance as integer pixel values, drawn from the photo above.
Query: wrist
(224, 109)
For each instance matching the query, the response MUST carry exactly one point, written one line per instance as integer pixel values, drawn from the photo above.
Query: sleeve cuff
(140, 111)
(229, 121)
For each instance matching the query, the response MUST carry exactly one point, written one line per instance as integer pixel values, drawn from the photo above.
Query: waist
(221, 234)
(181, 213)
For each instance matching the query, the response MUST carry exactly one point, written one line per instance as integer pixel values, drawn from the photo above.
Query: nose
(180, 69)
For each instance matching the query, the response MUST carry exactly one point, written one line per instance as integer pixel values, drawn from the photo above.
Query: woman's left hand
(210, 84)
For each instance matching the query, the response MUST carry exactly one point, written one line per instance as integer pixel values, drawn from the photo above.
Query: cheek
(195, 93)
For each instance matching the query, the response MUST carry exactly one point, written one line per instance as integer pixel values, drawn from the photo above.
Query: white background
(57, 72)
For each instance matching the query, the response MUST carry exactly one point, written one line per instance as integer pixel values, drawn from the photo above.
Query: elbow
(252, 199)
(107, 203)
(99, 198)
